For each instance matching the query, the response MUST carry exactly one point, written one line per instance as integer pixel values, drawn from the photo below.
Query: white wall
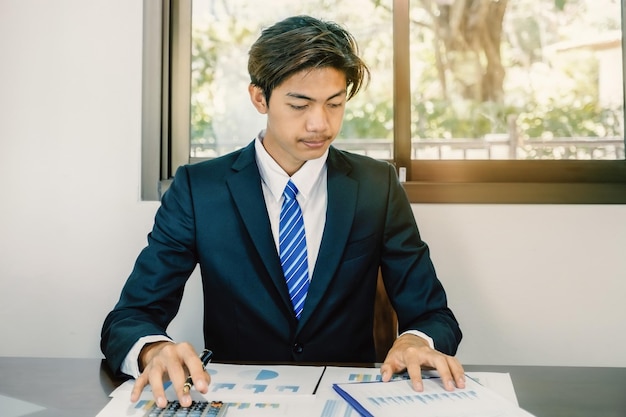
(529, 284)
(533, 284)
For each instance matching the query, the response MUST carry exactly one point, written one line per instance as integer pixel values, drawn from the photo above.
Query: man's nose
(317, 120)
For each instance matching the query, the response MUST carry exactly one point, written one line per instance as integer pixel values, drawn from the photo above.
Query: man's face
(303, 117)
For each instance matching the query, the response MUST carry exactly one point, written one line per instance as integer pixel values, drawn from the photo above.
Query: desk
(80, 387)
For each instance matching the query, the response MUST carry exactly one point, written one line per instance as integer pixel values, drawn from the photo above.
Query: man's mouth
(315, 143)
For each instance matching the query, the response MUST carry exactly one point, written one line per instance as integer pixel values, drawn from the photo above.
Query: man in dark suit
(226, 215)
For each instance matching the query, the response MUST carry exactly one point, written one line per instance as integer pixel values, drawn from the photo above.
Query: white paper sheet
(247, 390)
(498, 382)
(397, 398)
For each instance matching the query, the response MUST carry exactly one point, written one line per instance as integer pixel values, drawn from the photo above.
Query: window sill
(518, 182)
(516, 193)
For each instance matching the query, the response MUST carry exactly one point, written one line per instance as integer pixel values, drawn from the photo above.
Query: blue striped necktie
(292, 247)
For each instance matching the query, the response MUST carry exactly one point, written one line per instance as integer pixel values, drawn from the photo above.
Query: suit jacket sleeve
(152, 294)
(410, 278)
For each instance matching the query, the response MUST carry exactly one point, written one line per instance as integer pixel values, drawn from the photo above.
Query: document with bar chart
(240, 390)
(228, 381)
(331, 404)
(397, 398)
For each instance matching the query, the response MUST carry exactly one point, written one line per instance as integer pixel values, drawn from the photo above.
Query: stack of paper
(308, 391)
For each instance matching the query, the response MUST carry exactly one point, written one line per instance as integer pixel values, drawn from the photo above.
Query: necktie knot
(290, 190)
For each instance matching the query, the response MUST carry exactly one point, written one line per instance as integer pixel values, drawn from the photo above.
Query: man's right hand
(165, 360)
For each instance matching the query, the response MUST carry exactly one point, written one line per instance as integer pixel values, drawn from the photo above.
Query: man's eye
(293, 106)
(335, 105)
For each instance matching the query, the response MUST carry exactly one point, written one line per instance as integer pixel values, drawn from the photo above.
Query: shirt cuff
(429, 339)
(130, 366)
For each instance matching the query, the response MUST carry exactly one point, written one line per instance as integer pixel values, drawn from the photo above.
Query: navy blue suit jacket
(214, 215)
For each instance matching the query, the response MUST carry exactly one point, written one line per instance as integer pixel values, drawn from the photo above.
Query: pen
(205, 357)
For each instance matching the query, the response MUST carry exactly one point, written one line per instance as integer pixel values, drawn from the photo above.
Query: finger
(201, 380)
(386, 372)
(200, 383)
(415, 373)
(196, 370)
(140, 384)
(443, 368)
(391, 365)
(458, 373)
(155, 378)
(178, 377)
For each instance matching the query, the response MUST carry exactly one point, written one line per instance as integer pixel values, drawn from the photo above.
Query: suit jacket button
(298, 348)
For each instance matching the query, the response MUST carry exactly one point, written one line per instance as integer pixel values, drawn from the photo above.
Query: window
(481, 102)
(222, 118)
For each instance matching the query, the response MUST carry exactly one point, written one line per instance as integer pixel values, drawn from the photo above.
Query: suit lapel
(245, 188)
(342, 195)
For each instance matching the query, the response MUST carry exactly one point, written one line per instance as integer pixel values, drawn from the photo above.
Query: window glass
(501, 102)
(222, 117)
(523, 79)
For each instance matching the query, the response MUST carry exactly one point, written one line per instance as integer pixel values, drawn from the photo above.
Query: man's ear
(257, 96)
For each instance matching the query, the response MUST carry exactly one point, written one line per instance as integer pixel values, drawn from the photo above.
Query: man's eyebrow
(307, 98)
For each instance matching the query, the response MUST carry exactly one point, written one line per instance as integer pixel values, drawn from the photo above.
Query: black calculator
(196, 409)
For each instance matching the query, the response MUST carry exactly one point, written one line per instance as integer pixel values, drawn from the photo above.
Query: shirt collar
(275, 178)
